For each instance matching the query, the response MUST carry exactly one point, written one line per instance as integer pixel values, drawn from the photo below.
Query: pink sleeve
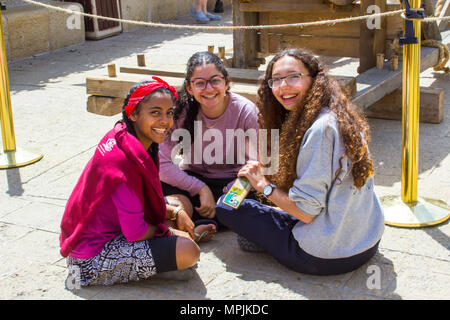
(130, 213)
(172, 174)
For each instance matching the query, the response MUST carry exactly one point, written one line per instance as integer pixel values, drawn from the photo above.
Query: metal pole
(9, 143)
(11, 157)
(408, 210)
(410, 114)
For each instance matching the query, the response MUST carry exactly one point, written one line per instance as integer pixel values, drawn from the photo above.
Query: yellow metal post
(409, 210)
(11, 156)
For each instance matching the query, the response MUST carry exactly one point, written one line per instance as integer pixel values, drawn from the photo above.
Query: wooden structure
(349, 51)
(360, 39)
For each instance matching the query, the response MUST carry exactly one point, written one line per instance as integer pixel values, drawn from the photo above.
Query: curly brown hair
(323, 93)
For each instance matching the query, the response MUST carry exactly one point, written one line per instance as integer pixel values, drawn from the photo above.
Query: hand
(207, 207)
(253, 171)
(184, 223)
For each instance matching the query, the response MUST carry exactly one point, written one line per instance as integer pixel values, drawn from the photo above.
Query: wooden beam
(374, 84)
(390, 107)
(236, 74)
(284, 5)
(107, 93)
(105, 106)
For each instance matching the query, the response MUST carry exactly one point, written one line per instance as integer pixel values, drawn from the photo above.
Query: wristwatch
(174, 214)
(267, 191)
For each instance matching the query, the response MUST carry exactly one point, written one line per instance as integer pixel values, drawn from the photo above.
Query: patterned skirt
(120, 261)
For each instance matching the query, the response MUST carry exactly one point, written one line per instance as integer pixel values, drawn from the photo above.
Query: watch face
(267, 190)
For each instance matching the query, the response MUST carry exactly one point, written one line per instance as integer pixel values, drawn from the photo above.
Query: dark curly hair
(153, 150)
(186, 102)
(323, 93)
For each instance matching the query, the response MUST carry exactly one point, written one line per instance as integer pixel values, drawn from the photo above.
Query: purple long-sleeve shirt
(218, 154)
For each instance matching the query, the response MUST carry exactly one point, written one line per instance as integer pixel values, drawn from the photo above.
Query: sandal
(204, 234)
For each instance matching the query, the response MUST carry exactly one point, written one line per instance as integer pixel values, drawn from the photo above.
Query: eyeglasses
(216, 82)
(292, 80)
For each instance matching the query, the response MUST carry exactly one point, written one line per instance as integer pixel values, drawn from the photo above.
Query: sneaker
(219, 6)
(249, 246)
(199, 16)
(213, 16)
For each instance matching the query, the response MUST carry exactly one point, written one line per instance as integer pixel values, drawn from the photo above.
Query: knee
(188, 253)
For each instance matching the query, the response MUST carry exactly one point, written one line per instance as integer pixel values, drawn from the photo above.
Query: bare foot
(204, 232)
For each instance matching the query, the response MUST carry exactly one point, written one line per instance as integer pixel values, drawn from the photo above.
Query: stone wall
(158, 10)
(30, 30)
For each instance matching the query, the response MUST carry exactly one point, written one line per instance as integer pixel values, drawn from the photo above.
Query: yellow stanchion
(409, 211)
(10, 157)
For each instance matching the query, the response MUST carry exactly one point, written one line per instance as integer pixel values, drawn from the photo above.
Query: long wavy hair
(154, 148)
(323, 93)
(186, 102)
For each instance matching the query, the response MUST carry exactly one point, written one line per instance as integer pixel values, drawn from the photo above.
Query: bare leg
(187, 254)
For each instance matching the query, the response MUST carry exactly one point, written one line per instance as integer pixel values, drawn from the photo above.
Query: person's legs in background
(218, 8)
(200, 12)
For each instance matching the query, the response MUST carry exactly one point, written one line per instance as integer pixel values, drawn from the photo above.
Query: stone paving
(49, 106)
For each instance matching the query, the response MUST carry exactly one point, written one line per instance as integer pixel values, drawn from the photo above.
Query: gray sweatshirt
(347, 221)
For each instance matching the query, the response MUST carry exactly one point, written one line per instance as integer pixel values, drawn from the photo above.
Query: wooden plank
(108, 92)
(390, 107)
(119, 86)
(284, 5)
(323, 46)
(349, 29)
(374, 84)
(105, 106)
(236, 74)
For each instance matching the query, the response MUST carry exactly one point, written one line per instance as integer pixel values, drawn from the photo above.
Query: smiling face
(212, 97)
(153, 119)
(291, 95)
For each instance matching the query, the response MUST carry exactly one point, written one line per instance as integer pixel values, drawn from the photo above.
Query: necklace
(213, 125)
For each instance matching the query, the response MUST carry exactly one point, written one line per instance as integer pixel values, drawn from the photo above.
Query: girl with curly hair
(207, 112)
(326, 217)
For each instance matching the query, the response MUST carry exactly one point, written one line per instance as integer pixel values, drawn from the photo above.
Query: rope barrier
(254, 27)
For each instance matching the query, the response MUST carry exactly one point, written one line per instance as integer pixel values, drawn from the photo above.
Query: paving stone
(41, 281)
(43, 216)
(37, 246)
(49, 106)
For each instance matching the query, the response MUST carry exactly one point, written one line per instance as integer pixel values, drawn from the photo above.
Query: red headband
(142, 91)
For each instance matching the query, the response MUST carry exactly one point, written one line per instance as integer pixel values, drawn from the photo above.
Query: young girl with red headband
(114, 228)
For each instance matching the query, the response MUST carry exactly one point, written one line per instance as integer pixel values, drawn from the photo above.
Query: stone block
(31, 30)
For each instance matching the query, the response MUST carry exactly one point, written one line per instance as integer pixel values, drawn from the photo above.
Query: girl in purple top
(214, 132)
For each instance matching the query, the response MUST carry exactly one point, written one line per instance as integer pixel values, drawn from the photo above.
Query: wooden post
(245, 42)
(112, 70)
(380, 60)
(372, 36)
(394, 63)
(221, 52)
(141, 60)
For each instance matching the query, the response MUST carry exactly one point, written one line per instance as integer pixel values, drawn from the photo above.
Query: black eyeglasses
(216, 82)
(292, 80)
